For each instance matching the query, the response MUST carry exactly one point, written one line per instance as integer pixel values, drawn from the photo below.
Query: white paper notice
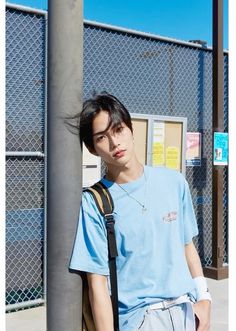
(159, 132)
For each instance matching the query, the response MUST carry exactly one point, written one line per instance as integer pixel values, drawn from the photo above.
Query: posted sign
(220, 152)
(193, 149)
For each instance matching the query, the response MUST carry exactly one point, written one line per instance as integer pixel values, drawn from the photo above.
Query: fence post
(65, 67)
(217, 270)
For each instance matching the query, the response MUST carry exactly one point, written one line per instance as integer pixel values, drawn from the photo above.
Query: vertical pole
(65, 67)
(217, 270)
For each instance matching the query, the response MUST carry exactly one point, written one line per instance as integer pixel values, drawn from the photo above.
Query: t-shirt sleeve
(189, 217)
(90, 253)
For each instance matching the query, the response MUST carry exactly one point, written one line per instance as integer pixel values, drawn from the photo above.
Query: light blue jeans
(176, 318)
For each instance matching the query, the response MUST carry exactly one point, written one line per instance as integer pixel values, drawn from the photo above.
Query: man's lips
(119, 153)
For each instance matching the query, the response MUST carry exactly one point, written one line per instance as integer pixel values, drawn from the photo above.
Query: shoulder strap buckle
(109, 218)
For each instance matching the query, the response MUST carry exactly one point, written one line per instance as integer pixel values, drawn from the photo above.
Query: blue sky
(179, 19)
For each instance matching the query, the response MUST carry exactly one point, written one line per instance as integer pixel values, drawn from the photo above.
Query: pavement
(34, 319)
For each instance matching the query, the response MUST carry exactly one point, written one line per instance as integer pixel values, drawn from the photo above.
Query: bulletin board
(167, 145)
(162, 139)
(140, 131)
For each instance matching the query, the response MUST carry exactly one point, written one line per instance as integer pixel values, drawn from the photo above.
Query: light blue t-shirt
(151, 265)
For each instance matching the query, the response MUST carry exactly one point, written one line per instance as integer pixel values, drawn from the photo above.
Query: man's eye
(119, 129)
(100, 138)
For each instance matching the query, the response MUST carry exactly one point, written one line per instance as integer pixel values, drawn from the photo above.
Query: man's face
(115, 146)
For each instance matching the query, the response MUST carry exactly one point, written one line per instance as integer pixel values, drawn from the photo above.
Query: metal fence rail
(149, 74)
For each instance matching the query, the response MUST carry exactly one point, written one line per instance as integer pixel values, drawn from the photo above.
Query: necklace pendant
(144, 209)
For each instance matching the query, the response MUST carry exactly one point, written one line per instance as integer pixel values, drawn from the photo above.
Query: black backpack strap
(104, 202)
(102, 197)
(112, 251)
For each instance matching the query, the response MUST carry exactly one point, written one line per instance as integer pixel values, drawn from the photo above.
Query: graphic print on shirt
(171, 216)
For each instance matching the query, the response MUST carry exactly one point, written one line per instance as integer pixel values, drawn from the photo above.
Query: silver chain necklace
(143, 205)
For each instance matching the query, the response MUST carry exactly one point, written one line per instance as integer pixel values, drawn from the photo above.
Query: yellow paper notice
(158, 157)
(173, 158)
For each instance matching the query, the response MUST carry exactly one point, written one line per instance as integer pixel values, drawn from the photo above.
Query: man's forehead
(101, 123)
(110, 127)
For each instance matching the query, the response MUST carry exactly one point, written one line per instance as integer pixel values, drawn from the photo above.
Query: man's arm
(100, 302)
(201, 308)
(193, 260)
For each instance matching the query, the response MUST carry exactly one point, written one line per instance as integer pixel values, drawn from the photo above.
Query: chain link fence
(25, 122)
(149, 75)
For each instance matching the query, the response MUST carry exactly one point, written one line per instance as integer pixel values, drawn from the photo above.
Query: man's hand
(202, 310)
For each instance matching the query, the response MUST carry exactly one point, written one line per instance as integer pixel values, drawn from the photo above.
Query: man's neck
(125, 174)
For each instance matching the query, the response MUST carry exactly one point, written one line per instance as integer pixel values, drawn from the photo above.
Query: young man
(158, 268)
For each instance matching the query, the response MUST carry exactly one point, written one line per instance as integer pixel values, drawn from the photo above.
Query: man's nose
(113, 141)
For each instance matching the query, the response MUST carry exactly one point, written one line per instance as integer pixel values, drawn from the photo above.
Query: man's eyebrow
(100, 132)
(107, 129)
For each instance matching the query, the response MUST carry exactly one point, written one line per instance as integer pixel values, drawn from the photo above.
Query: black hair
(91, 108)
